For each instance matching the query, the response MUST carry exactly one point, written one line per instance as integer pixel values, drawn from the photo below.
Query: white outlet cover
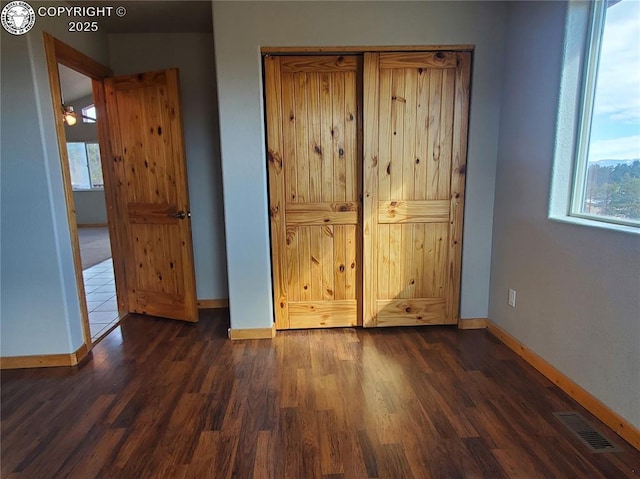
(512, 298)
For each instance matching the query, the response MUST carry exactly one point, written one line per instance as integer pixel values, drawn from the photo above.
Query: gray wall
(81, 131)
(578, 302)
(241, 28)
(193, 54)
(39, 308)
(91, 207)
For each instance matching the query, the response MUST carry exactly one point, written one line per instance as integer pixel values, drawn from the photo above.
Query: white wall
(193, 54)
(578, 288)
(241, 28)
(39, 310)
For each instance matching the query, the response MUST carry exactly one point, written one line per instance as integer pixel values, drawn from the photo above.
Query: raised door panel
(150, 169)
(314, 187)
(416, 108)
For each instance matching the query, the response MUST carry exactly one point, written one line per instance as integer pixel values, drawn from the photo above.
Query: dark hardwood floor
(164, 399)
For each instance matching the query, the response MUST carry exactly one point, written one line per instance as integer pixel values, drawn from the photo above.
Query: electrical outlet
(512, 298)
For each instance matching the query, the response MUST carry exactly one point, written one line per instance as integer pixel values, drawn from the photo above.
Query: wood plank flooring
(165, 399)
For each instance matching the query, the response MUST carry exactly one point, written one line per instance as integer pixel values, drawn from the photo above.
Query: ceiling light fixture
(69, 116)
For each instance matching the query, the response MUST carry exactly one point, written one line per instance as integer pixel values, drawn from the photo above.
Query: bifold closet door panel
(415, 127)
(314, 162)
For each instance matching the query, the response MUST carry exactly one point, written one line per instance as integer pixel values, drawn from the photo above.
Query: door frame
(367, 148)
(56, 53)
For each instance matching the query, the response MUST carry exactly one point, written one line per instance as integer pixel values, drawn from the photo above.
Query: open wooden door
(149, 171)
(416, 115)
(313, 118)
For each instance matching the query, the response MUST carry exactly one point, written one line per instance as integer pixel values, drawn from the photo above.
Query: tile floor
(100, 290)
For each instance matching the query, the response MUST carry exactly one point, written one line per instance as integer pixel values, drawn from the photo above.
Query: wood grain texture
(458, 180)
(327, 241)
(410, 312)
(213, 303)
(315, 152)
(298, 86)
(153, 213)
(413, 211)
(292, 253)
(273, 96)
(312, 118)
(416, 60)
(344, 213)
(164, 399)
(416, 230)
(613, 420)
(370, 188)
(255, 333)
(315, 64)
(315, 217)
(149, 166)
(472, 323)
(352, 258)
(348, 147)
(323, 314)
(340, 264)
(433, 136)
(44, 361)
(366, 49)
(315, 261)
(303, 256)
(114, 199)
(326, 138)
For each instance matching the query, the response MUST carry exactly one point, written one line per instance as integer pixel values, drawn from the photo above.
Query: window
(607, 170)
(89, 114)
(85, 165)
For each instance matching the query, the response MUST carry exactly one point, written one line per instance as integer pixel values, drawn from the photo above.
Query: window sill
(88, 189)
(596, 224)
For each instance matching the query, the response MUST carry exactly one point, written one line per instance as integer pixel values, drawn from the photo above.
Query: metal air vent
(585, 432)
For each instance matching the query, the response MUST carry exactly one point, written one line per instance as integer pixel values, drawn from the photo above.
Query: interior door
(416, 115)
(152, 199)
(313, 122)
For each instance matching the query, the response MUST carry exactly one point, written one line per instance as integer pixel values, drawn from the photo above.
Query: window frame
(91, 187)
(593, 50)
(87, 118)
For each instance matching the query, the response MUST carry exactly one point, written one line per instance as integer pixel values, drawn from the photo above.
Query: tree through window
(607, 174)
(85, 165)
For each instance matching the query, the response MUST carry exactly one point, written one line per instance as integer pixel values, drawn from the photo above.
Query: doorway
(390, 227)
(146, 193)
(87, 183)
(80, 78)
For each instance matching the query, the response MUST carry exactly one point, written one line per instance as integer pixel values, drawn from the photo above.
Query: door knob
(180, 214)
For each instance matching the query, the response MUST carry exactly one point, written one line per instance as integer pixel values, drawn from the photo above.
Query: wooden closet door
(415, 126)
(313, 119)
